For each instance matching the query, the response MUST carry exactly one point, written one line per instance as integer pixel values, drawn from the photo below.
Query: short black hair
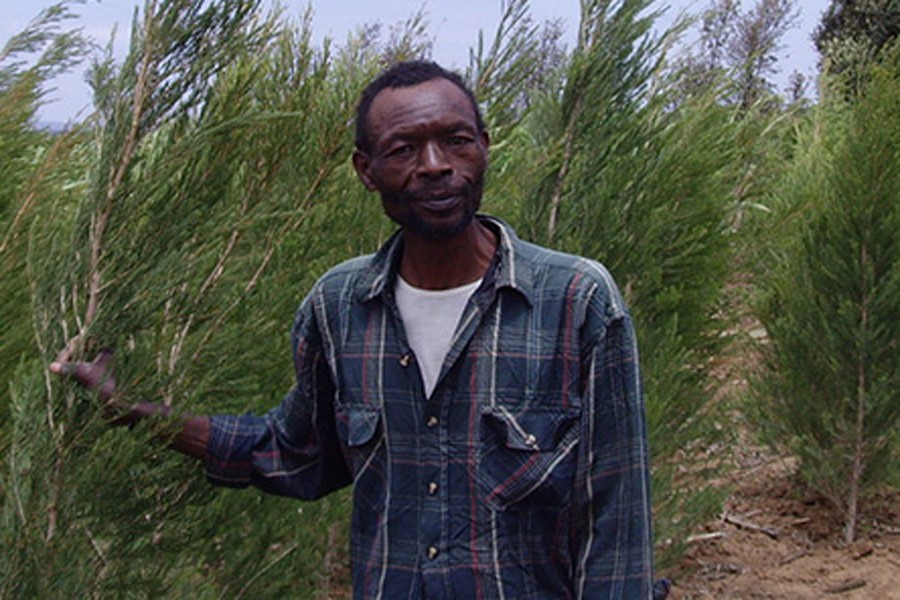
(406, 74)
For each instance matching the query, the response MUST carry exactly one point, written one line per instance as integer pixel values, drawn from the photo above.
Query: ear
(363, 164)
(485, 138)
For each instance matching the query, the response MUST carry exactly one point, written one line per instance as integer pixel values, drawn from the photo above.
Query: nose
(433, 161)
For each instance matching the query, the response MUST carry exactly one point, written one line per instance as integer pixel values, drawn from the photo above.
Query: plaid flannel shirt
(524, 475)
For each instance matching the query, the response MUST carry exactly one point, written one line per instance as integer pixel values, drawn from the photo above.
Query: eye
(459, 140)
(400, 151)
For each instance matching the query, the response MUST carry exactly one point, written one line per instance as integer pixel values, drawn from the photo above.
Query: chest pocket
(527, 460)
(361, 432)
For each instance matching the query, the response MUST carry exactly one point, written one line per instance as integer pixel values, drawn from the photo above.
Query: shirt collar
(510, 267)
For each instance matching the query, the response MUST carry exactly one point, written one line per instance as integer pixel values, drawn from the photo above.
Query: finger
(107, 388)
(103, 357)
(63, 368)
(84, 373)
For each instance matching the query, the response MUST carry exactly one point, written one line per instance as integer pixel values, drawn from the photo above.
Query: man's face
(427, 158)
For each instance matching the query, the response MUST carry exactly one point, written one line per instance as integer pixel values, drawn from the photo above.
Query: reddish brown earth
(776, 541)
(775, 537)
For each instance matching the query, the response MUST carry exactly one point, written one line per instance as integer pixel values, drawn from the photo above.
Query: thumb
(62, 368)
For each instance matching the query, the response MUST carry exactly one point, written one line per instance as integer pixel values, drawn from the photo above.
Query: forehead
(434, 103)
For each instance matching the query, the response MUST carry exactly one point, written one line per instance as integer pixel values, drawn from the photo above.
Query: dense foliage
(183, 221)
(852, 34)
(831, 390)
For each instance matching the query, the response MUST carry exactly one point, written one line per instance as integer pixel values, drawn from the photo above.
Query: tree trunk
(856, 470)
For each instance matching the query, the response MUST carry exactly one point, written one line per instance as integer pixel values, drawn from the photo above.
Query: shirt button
(530, 439)
(405, 360)
(432, 552)
(432, 421)
(432, 488)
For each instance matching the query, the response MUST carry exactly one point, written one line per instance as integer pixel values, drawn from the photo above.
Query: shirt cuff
(230, 449)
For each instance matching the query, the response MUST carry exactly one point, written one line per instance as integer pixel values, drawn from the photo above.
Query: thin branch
(55, 491)
(14, 489)
(856, 470)
(96, 548)
(706, 537)
(568, 152)
(263, 571)
(142, 88)
(847, 586)
(270, 250)
(36, 180)
(213, 277)
(739, 522)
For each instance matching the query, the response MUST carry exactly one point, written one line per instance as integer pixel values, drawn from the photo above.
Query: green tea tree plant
(30, 162)
(830, 391)
(214, 170)
(212, 187)
(609, 167)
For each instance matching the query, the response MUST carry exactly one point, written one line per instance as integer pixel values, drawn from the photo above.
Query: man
(482, 394)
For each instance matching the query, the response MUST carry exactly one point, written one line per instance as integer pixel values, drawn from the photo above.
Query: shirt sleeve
(292, 450)
(616, 543)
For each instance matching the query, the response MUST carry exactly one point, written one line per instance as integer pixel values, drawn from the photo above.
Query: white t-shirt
(430, 318)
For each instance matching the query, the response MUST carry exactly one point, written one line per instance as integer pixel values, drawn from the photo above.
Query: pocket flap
(536, 429)
(362, 423)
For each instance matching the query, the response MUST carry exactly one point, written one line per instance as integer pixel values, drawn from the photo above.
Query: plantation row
(182, 223)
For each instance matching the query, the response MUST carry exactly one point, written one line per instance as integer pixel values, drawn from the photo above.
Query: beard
(401, 208)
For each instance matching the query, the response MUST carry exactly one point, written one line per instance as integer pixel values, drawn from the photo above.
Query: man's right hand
(96, 375)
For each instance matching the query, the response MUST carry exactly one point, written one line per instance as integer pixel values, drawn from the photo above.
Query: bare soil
(775, 537)
(775, 540)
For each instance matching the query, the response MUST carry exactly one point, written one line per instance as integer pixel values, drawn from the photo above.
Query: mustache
(437, 191)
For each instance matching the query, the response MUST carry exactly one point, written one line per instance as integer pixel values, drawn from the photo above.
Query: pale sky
(453, 24)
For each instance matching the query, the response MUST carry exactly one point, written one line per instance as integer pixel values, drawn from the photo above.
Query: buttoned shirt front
(525, 473)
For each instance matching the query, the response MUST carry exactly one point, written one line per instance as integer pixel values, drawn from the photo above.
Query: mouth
(440, 203)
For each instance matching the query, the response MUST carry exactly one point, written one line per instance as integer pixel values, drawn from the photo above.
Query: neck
(442, 264)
